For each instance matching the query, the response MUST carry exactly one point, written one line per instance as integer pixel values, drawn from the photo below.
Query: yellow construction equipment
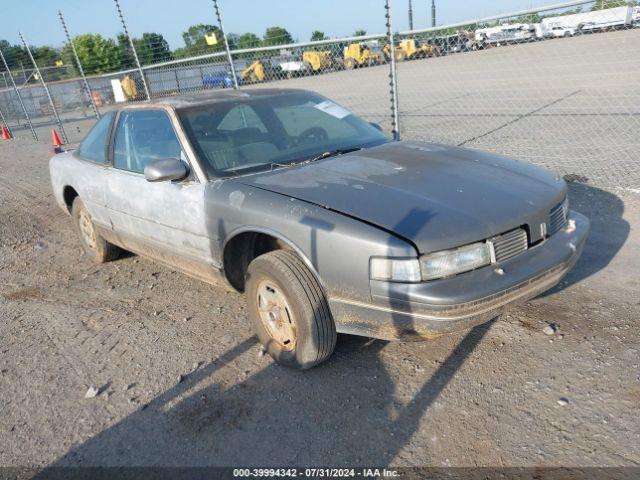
(254, 73)
(362, 55)
(318, 60)
(409, 49)
(129, 87)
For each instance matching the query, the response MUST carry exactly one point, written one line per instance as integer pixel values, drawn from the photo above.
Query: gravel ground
(181, 380)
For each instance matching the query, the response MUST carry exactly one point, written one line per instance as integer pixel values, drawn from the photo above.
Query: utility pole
(410, 16)
(433, 13)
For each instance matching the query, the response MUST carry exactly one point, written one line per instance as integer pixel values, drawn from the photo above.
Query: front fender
(336, 247)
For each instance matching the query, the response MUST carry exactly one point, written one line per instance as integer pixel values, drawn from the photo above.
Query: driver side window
(143, 136)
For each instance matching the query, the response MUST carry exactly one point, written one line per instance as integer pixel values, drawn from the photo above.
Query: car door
(91, 169)
(164, 220)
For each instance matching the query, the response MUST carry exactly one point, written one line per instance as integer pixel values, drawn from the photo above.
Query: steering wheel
(314, 134)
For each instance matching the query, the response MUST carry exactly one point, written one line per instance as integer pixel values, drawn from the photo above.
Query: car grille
(558, 217)
(509, 244)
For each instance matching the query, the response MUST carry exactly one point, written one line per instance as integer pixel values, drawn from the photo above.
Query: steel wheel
(86, 229)
(276, 315)
(94, 245)
(289, 311)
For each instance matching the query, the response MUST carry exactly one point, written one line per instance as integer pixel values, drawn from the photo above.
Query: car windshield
(244, 135)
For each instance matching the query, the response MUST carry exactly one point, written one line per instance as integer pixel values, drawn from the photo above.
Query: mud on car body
(326, 224)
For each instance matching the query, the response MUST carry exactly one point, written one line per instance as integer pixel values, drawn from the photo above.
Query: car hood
(435, 196)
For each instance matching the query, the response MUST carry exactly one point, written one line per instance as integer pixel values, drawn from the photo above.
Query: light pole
(433, 13)
(410, 16)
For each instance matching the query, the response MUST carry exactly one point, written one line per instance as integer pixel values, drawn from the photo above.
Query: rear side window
(94, 145)
(141, 137)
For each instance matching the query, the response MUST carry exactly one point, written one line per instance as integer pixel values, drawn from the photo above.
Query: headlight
(395, 269)
(450, 262)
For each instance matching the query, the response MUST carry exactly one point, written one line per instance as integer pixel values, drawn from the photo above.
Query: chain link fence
(557, 86)
(554, 86)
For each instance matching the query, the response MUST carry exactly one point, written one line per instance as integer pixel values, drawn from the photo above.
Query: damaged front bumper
(425, 310)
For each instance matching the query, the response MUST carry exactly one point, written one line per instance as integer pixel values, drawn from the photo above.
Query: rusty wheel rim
(276, 315)
(87, 231)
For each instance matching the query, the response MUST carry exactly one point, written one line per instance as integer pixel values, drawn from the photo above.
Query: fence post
(15, 88)
(226, 45)
(46, 89)
(6, 124)
(75, 55)
(133, 48)
(393, 83)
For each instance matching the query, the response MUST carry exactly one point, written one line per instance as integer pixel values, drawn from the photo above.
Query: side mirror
(166, 169)
(375, 125)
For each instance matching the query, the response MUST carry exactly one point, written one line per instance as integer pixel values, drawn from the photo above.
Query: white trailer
(519, 31)
(587, 21)
(483, 33)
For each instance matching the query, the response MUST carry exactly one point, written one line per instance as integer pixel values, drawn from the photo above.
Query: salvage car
(324, 222)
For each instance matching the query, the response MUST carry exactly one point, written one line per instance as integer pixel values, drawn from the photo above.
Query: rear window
(94, 145)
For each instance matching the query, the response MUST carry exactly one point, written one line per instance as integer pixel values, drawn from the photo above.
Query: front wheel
(96, 247)
(289, 311)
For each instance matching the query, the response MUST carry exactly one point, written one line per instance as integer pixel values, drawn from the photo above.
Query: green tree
(195, 41)
(181, 52)
(360, 33)
(603, 4)
(317, 35)
(15, 55)
(277, 36)
(152, 48)
(125, 54)
(96, 53)
(46, 56)
(249, 40)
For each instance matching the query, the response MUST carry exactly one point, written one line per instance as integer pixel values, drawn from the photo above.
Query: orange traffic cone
(57, 144)
(5, 133)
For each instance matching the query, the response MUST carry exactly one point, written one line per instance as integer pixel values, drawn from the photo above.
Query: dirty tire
(315, 330)
(97, 248)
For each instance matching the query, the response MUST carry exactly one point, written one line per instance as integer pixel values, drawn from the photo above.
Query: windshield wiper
(330, 153)
(335, 153)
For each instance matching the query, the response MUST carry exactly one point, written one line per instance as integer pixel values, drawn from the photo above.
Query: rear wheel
(289, 311)
(94, 245)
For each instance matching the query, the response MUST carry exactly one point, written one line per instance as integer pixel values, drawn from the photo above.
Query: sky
(38, 21)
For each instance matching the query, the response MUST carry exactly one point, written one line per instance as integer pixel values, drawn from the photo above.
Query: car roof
(222, 95)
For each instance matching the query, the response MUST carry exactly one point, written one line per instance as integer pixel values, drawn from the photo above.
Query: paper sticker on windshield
(333, 109)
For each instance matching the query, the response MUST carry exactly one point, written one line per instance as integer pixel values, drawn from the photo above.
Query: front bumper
(425, 310)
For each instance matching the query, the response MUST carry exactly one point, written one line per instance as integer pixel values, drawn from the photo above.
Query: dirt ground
(182, 380)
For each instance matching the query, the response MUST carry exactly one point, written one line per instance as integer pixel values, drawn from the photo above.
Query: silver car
(325, 223)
